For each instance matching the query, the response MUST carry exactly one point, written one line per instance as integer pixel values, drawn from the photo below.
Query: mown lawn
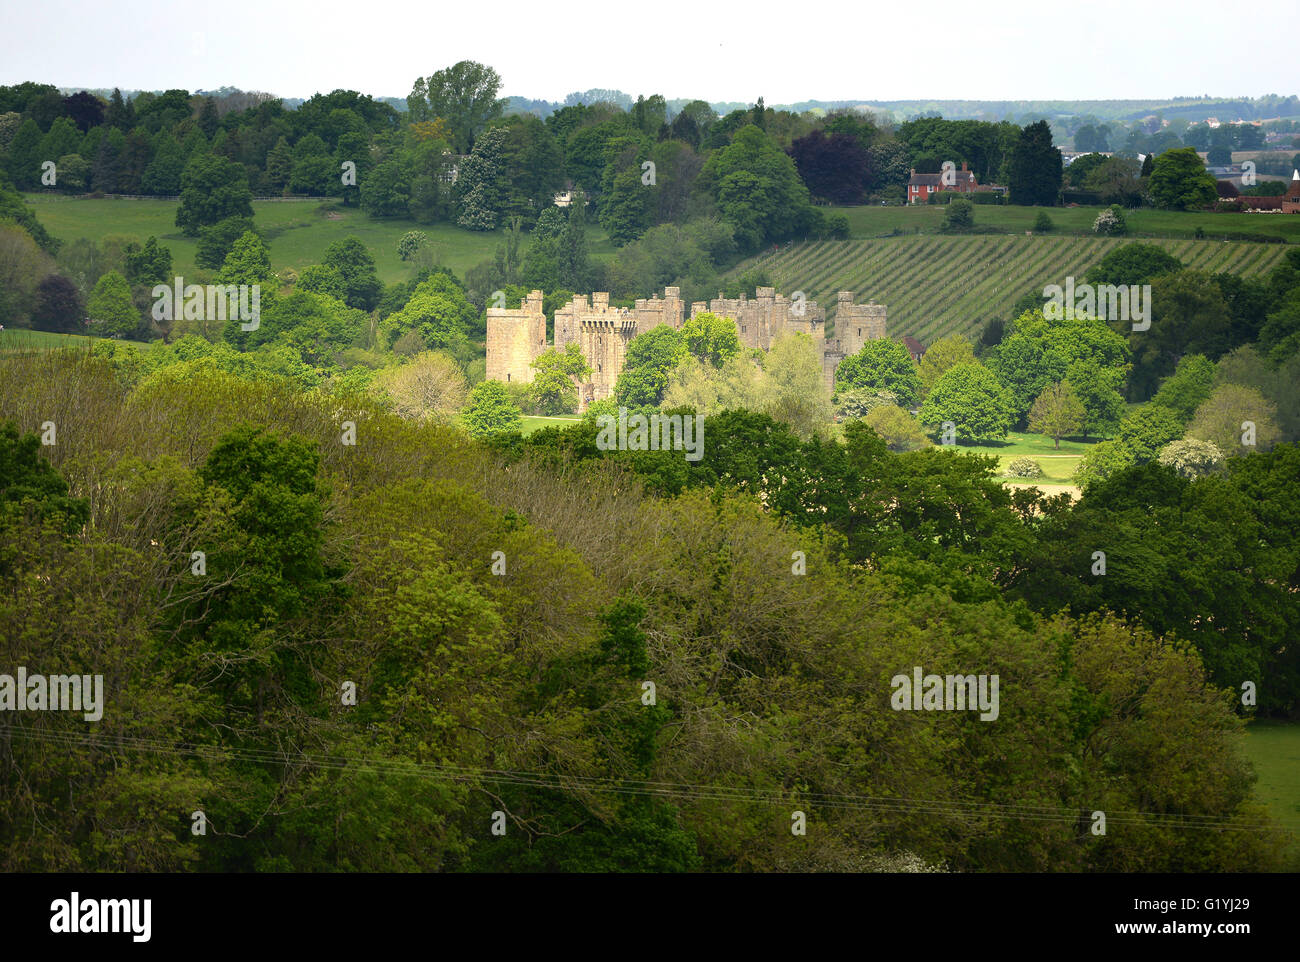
(873, 221)
(297, 232)
(1058, 465)
(532, 424)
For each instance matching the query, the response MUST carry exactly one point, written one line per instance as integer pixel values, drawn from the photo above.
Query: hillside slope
(935, 285)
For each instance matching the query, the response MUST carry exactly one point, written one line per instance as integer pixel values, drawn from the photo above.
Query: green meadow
(296, 231)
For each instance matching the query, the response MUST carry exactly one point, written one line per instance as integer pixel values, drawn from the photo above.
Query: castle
(516, 337)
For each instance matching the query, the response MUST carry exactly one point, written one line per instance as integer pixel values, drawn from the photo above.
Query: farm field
(866, 222)
(296, 231)
(934, 285)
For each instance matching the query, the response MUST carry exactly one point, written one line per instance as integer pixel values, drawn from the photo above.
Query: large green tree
(212, 189)
(1035, 167)
(973, 399)
(1179, 181)
(464, 95)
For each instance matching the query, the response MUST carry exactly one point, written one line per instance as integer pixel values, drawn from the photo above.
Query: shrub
(1111, 222)
(1024, 468)
(1043, 224)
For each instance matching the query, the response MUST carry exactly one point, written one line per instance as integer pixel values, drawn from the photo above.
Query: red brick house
(914, 348)
(1288, 203)
(921, 186)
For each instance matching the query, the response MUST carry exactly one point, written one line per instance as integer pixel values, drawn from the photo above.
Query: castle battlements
(517, 336)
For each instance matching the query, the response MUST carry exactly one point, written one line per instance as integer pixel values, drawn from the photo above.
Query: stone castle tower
(517, 337)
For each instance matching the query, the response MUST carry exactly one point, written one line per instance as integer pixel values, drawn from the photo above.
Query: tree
(464, 95)
(711, 338)
(164, 173)
(896, 427)
(1035, 167)
(111, 310)
(1111, 222)
(319, 279)
(1043, 224)
(834, 167)
(438, 312)
(410, 243)
(1179, 181)
(1116, 180)
(1097, 389)
(428, 387)
(959, 218)
(490, 410)
(945, 353)
(249, 262)
(386, 190)
(1145, 431)
(216, 240)
(885, 364)
(361, 284)
(1057, 412)
(757, 190)
(555, 384)
(1038, 351)
(58, 306)
(973, 399)
(1191, 458)
(279, 166)
(1131, 264)
(650, 360)
(793, 386)
(148, 265)
(1189, 385)
(212, 189)
(1237, 419)
(479, 183)
(574, 267)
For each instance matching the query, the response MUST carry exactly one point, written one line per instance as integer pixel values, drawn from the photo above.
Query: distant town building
(914, 348)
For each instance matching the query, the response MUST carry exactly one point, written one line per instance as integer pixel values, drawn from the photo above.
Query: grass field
(867, 222)
(532, 424)
(1273, 747)
(18, 339)
(297, 232)
(935, 285)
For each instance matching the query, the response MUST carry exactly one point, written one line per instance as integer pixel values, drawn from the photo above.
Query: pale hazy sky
(715, 50)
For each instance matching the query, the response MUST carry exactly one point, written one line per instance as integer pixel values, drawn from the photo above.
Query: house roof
(920, 180)
(913, 345)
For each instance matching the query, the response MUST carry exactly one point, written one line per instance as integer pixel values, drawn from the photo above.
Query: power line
(958, 809)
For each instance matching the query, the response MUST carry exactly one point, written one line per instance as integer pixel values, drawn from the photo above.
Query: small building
(914, 348)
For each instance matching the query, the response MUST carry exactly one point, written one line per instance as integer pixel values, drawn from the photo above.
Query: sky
(715, 51)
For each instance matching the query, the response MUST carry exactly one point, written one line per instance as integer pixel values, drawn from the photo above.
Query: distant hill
(1020, 111)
